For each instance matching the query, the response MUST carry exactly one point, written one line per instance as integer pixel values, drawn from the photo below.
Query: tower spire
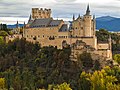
(73, 17)
(79, 16)
(30, 18)
(24, 24)
(17, 24)
(94, 17)
(88, 10)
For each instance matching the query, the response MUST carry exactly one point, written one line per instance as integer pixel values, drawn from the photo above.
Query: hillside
(109, 23)
(14, 26)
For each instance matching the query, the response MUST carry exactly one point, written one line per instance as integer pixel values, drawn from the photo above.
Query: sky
(12, 11)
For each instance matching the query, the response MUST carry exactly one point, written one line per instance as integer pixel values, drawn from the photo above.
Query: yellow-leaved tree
(101, 80)
(2, 83)
(117, 58)
(63, 86)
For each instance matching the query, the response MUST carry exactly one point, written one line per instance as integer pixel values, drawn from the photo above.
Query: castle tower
(94, 26)
(110, 47)
(87, 23)
(23, 35)
(88, 10)
(24, 25)
(40, 13)
(73, 17)
(79, 16)
(30, 18)
(17, 24)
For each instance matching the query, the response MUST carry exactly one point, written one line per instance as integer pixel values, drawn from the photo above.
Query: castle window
(43, 35)
(31, 36)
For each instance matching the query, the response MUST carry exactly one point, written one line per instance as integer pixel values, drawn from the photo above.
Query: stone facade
(44, 29)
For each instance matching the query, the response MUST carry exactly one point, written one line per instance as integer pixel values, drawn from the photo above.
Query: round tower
(87, 23)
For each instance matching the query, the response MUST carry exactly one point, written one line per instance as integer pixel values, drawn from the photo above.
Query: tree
(84, 83)
(63, 86)
(2, 83)
(86, 60)
(117, 58)
(100, 80)
(97, 65)
(3, 33)
(1, 40)
(102, 35)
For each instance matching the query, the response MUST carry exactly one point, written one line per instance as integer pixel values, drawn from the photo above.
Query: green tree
(63, 86)
(3, 33)
(86, 60)
(117, 58)
(96, 65)
(1, 40)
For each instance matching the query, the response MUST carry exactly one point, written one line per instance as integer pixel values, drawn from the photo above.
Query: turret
(94, 25)
(87, 23)
(17, 24)
(73, 17)
(88, 10)
(24, 25)
(30, 18)
(110, 47)
(110, 41)
(79, 17)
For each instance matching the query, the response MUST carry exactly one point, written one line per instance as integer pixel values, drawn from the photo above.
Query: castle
(79, 34)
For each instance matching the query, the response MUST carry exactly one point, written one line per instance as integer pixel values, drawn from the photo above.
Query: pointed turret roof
(24, 24)
(94, 17)
(79, 17)
(73, 17)
(17, 24)
(88, 10)
(30, 19)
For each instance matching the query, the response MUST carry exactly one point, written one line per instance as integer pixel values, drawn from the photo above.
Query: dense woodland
(28, 66)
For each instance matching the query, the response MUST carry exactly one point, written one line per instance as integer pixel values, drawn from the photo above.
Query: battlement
(38, 13)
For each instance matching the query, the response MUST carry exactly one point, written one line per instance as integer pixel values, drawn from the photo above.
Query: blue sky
(13, 10)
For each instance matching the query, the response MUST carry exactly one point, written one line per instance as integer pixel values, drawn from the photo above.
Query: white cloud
(94, 1)
(11, 10)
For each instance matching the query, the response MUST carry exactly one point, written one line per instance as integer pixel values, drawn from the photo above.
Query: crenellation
(41, 13)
